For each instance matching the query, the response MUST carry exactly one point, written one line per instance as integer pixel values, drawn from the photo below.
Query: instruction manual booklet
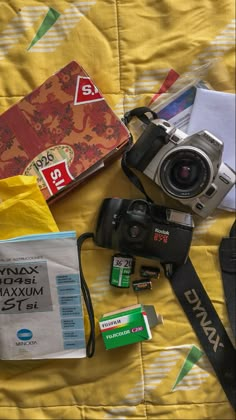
(41, 314)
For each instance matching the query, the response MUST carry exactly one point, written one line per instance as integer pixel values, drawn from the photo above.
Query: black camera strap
(197, 305)
(90, 347)
(133, 178)
(140, 113)
(227, 257)
(207, 325)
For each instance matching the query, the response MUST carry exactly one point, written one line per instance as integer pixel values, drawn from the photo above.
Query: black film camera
(140, 228)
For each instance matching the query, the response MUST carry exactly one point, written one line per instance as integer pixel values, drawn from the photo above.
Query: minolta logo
(205, 322)
(164, 232)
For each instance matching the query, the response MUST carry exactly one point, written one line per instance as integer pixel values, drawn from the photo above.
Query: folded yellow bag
(23, 209)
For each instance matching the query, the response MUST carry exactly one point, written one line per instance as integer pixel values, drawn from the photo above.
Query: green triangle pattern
(49, 20)
(192, 358)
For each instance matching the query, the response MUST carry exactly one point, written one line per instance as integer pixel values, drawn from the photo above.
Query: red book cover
(61, 132)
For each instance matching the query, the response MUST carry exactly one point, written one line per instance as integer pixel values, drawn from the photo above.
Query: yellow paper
(23, 209)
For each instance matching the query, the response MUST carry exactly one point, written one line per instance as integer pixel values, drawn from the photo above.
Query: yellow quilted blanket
(127, 47)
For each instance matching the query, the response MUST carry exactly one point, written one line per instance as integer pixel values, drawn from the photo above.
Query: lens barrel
(185, 172)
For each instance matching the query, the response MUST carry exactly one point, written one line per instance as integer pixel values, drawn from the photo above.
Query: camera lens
(134, 231)
(139, 206)
(185, 173)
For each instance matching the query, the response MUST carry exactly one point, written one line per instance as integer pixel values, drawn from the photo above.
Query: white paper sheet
(215, 111)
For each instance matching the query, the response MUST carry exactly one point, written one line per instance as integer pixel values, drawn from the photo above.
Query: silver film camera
(188, 168)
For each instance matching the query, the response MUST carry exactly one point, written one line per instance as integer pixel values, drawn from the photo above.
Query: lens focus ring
(185, 173)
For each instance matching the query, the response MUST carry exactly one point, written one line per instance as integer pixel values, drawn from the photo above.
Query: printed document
(41, 314)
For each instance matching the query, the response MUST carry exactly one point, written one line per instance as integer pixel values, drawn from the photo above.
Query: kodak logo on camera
(161, 235)
(128, 325)
(62, 133)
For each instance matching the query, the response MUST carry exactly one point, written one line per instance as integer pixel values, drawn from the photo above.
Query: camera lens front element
(136, 224)
(134, 231)
(139, 206)
(185, 173)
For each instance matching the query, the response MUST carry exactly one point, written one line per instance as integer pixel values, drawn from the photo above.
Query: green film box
(128, 325)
